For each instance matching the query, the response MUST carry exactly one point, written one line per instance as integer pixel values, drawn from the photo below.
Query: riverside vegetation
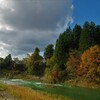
(75, 60)
(23, 93)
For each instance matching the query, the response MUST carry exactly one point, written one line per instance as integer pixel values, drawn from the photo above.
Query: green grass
(73, 92)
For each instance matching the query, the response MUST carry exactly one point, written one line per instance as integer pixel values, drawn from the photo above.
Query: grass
(25, 93)
(3, 87)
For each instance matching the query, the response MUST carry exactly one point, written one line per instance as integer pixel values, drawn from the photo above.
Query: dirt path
(5, 96)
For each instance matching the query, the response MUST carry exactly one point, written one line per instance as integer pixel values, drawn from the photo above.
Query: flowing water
(75, 93)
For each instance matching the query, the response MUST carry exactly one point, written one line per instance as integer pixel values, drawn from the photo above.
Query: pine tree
(63, 44)
(76, 35)
(48, 51)
(87, 36)
(97, 35)
(8, 62)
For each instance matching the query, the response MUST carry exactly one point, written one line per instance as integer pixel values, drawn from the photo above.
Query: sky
(26, 24)
(86, 10)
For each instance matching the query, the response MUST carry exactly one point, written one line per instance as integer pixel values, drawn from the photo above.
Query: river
(75, 93)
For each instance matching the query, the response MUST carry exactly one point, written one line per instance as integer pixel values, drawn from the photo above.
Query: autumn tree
(73, 64)
(90, 64)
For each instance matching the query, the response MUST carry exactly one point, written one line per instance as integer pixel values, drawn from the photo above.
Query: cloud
(26, 24)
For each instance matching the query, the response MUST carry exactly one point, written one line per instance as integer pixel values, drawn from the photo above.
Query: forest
(75, 55)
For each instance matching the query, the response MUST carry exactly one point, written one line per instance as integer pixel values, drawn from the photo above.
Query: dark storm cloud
(26, 24)
(37, 14)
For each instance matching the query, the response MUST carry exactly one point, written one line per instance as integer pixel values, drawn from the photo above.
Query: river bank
(73, 92)
(14, 92)
(80, 82)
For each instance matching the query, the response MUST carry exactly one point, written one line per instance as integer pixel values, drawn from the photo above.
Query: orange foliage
(73, 63)
(90, 63)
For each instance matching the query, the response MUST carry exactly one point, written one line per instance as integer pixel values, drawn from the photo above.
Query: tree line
(76, 54)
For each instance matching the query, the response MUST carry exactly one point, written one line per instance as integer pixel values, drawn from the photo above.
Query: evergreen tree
(48, 51)
(63, 44)
(18, 64)
(8, 62)
(34, 63)
(97, 35)
(87, 36)
(76, 35)
(1, 63)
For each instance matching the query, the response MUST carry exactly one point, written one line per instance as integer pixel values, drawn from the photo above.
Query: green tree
(34, 63)
(48, 51)
(97, 35)
(76, 35)
(87, 37)
(8, 62)
(63, 44)
(1, 63)
(18, 64)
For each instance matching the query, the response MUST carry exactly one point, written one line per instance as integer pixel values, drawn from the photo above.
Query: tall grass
(24, 93)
